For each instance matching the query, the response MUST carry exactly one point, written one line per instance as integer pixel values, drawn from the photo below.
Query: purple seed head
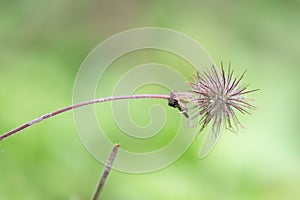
(218, 96)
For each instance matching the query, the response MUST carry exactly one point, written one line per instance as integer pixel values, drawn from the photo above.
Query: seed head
(217, 97)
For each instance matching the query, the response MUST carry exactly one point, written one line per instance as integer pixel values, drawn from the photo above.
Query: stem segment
(71, 107)
(105, 173)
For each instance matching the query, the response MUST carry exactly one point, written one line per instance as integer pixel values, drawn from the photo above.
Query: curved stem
(71, 107)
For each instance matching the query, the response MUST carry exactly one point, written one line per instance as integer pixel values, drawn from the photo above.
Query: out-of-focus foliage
(42, 44)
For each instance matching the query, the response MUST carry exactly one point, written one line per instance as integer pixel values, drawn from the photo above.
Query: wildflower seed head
(218, 96)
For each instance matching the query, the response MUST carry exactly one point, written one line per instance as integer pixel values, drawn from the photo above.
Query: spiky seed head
(218, 96)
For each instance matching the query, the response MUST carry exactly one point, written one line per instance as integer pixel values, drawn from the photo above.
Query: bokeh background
(43, 43)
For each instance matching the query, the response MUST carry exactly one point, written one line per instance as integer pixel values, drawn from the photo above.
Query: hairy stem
(71, 107)
(105, 173)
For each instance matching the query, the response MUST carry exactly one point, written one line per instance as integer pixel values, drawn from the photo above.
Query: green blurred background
(42, 44)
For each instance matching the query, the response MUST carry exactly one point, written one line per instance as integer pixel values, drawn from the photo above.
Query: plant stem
(71, 107)
(105, 173)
